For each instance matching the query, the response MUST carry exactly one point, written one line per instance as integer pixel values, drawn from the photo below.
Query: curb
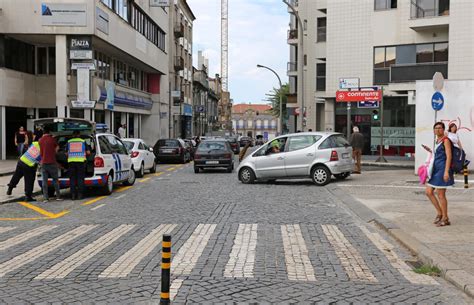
(2, 174)
(379, 164)
(18, 198)
(449, 270)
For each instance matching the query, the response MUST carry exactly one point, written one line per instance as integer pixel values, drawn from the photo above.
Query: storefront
(187, 118)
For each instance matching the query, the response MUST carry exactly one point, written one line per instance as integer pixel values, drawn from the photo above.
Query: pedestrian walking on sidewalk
(26, 167)
(357, 143)
(49, 166)
(38, 133)
(76, 159)
(21, 140)
(440, 174)
(243, 152)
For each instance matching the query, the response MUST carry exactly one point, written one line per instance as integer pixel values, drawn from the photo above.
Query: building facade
(254, 120)
(181, 69)
(200, 95)
(387, 43)
(102, 60)
(213, 99)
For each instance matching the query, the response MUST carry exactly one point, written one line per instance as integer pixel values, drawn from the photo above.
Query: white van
(109, 162)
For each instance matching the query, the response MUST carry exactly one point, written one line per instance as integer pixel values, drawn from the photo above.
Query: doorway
(15, 118)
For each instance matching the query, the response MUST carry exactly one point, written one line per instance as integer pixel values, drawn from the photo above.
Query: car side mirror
(150, 149)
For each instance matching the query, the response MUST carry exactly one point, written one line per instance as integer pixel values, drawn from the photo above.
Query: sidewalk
(7, 167)
(388, 199)
(392, 161)
(18, 192)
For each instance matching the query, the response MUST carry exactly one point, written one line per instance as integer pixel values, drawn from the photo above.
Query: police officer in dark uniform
(76, 158)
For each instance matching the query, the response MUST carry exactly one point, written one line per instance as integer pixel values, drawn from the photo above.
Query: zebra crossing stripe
(6, 229)
(63, 268)
(188, 255)
(127, 262)
(389, 251)
(298, 264)
(350, 258)
(41, 250)
(242, 258)
(174, 288)
(11, 242)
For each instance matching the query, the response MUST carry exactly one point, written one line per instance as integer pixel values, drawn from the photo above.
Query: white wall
(458, 108)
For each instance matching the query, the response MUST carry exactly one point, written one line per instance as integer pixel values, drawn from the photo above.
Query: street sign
(80, 54)
(349, 83)
(358, 96)
(368, 104)
(438, 81)
(199, 109)
(83, 65)
(437, 101)
(159, 3)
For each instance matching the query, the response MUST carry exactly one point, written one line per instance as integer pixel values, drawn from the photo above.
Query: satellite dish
(438, 81)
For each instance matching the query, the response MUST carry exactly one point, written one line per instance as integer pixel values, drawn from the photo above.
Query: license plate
(212, 162)
(167, 151)
(345, 156)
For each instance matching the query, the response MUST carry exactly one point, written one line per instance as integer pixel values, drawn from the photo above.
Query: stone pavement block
(460, 278)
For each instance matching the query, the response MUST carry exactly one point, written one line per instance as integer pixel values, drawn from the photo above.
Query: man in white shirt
(122, 131)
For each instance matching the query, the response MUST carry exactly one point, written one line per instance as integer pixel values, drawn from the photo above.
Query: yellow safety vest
(76, 149)
(32, 156)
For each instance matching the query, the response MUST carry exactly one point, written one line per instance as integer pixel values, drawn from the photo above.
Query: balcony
(292, 98)
(429, 14)
(293, 36)
(178, 63)
(179, 30)
(292, 68)
(409, 73)
(200, 79)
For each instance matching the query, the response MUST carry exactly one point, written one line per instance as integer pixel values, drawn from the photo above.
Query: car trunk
(62, 130)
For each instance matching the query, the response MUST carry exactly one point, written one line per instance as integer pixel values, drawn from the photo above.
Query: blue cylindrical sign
(437, 101)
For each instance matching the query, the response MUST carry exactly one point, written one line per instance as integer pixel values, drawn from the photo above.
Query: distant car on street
(234, 144)
(316, 155)
(259, 140)
(244, 140)
(214, 154)
(143, 157)
(171, 150)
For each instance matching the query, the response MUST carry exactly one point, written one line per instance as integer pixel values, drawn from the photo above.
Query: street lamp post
(280, 121)
(300, 58)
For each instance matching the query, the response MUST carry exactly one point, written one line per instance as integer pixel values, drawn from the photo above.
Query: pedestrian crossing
(137, 246)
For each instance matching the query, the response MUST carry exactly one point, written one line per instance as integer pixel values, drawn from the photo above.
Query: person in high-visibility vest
(76, 159)
(26, 167)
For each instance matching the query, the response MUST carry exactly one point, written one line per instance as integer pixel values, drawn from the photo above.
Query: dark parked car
(174, 150)
(212, 154)
(244, 140)
(259, 140)
(234, 144)
(190, 147)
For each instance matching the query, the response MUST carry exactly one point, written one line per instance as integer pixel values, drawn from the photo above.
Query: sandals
(437, 219)
(443, 222)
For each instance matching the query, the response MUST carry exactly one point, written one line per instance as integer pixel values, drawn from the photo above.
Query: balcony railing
(409, 72)
(429, 8)
(293, 34)
(178, 30)
(178, 63)
(292, 66)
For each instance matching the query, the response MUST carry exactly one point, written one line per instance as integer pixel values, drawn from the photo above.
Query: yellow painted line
(123, 189)
(94, 200)
(171, 169)
(159, 174)
(43, 212)
(19, 219)
(144, 180)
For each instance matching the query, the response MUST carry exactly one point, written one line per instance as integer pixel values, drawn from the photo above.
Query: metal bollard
(165, 269)
(466, 182)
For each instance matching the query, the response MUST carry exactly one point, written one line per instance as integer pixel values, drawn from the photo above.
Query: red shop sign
(358, 96)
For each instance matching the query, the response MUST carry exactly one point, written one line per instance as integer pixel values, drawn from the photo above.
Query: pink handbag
(423, 170)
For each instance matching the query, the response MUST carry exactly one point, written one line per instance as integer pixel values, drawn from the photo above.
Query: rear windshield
(168, 143)
(129, 144)
(334, 142)
(208, 146)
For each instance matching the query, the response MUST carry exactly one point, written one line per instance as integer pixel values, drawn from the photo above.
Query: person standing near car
(122, 131)
(76, 159)
(21, 140)
(357, 143)
(49, 165)
(26, 167)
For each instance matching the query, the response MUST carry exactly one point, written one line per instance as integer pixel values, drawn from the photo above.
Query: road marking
(41, 211)
(188, 255)
(394, 186)
(158, 174)
(123, 188)
(6, 229)
(242, 258)
(298, 264)
(144, 180)
(168, 175)
(94, 200)
(174, 288)
(350, 258)
(4, 245)
(20, 219)
(41, 250)
(127, 262)
(98, 207)
(171, 169)
(388, 250)
(121, 196)
(63, 268)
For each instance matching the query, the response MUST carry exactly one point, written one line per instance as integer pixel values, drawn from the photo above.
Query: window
(52, 60)
(424, 53)
(321, 77)
(249, 123)
(390, 56)
(321, 24)
(441, 52)
(123, 150)
(41, 60)
(385, 4)
(104, 145)
(300, 142)
(379, 57)
(19, 56)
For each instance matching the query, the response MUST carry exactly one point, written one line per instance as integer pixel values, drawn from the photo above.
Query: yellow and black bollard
(165, 269)
(466, 182)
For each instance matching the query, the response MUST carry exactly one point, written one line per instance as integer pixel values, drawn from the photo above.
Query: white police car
(109, 162)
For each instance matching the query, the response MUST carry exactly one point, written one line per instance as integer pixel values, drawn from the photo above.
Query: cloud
(257, 35)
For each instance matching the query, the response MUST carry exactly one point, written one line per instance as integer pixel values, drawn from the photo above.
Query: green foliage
(274, 98)
(428, 270)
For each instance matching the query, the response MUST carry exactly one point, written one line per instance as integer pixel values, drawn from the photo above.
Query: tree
(274, 98)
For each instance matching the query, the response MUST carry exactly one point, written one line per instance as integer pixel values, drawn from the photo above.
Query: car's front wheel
(246, 175)
(131, 178)
(196, 170)
(320, 175)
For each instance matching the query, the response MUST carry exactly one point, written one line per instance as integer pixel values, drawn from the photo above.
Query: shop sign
(80, 43)
(159, 3)
(349, 83)
(393, 136)
(110, 91)
(63, 14)
(80, 54)
(370, 104)
(83, 65)
(188, 110)
(175, 94)
(83, 104)
(358, 96)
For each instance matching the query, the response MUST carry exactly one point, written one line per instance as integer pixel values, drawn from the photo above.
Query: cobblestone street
(289, 241)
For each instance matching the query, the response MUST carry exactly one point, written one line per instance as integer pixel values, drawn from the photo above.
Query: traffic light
(375, 115)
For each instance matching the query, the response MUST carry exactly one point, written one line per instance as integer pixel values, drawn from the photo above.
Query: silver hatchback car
(316, 155)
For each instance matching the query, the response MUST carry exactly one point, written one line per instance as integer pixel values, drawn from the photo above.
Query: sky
(257, 35)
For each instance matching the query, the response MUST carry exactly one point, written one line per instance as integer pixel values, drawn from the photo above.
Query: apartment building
(200, 95)
(388, 43)
(254, 120)
(102, 60)
(181, 69)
